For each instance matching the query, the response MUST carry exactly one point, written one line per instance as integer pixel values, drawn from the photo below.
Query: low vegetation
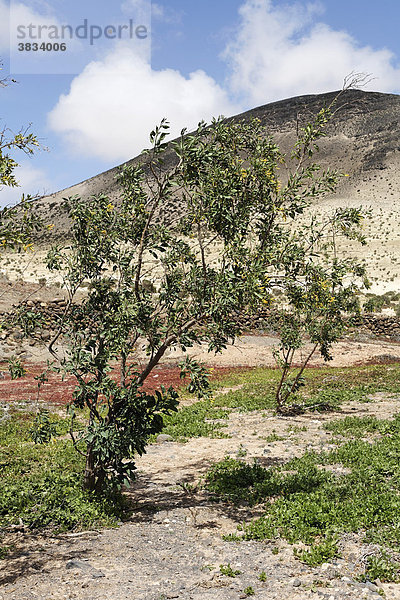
(315, 498)
(377, 302)
(323, 389)
(228, 180)
(42, 483)
(201, 419)
(235, 245)
(228, 571)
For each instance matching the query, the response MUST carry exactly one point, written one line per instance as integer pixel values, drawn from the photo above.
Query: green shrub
(376, 303)
(238, 481)
(381, 566)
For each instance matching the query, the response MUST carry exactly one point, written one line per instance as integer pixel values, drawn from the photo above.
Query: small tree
(159, 281)
(317, 287)
(318, 290)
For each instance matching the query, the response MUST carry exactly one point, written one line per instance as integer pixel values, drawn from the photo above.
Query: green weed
(274, 437)
(296, 429)
(304, 501)
(4, 551)
(249, 591)
(319, 552)
(381, 566)
(228, 571)
(242, 451)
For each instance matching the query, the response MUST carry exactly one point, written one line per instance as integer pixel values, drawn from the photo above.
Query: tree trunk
(89, 478)
(99, 485)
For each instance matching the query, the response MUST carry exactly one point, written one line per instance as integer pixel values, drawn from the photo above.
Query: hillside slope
(363, 140)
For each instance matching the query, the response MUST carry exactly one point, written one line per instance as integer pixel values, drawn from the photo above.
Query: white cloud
(278, 51)
(283, 51)
(16, 21)
(26, 11)
(114, 104)
(141, 9)
(22, 13)
(139, 5)
(31, 181)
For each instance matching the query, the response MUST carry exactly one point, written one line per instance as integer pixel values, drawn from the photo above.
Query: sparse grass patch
(4, 551)
(363, 380)
(324, 389)
(331, 399)
(274, 437)
(356, 426)
(198, 420)
(296, 429)
(253, 396)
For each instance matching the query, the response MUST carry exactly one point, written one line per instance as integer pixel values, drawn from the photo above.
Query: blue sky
(207, 58)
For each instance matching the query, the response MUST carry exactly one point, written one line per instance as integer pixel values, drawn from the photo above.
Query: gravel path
(166, 557)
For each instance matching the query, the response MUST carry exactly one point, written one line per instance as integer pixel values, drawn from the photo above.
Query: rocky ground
(172, 546)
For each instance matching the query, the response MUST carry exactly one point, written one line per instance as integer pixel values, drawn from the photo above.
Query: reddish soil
(58, 391)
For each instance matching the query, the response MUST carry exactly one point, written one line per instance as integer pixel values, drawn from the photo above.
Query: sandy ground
(252, 351)
(256, 350)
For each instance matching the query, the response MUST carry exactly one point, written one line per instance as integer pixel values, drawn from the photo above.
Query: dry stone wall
(50, 312)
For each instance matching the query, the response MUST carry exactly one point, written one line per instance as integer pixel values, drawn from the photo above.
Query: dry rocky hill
(363, 141)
